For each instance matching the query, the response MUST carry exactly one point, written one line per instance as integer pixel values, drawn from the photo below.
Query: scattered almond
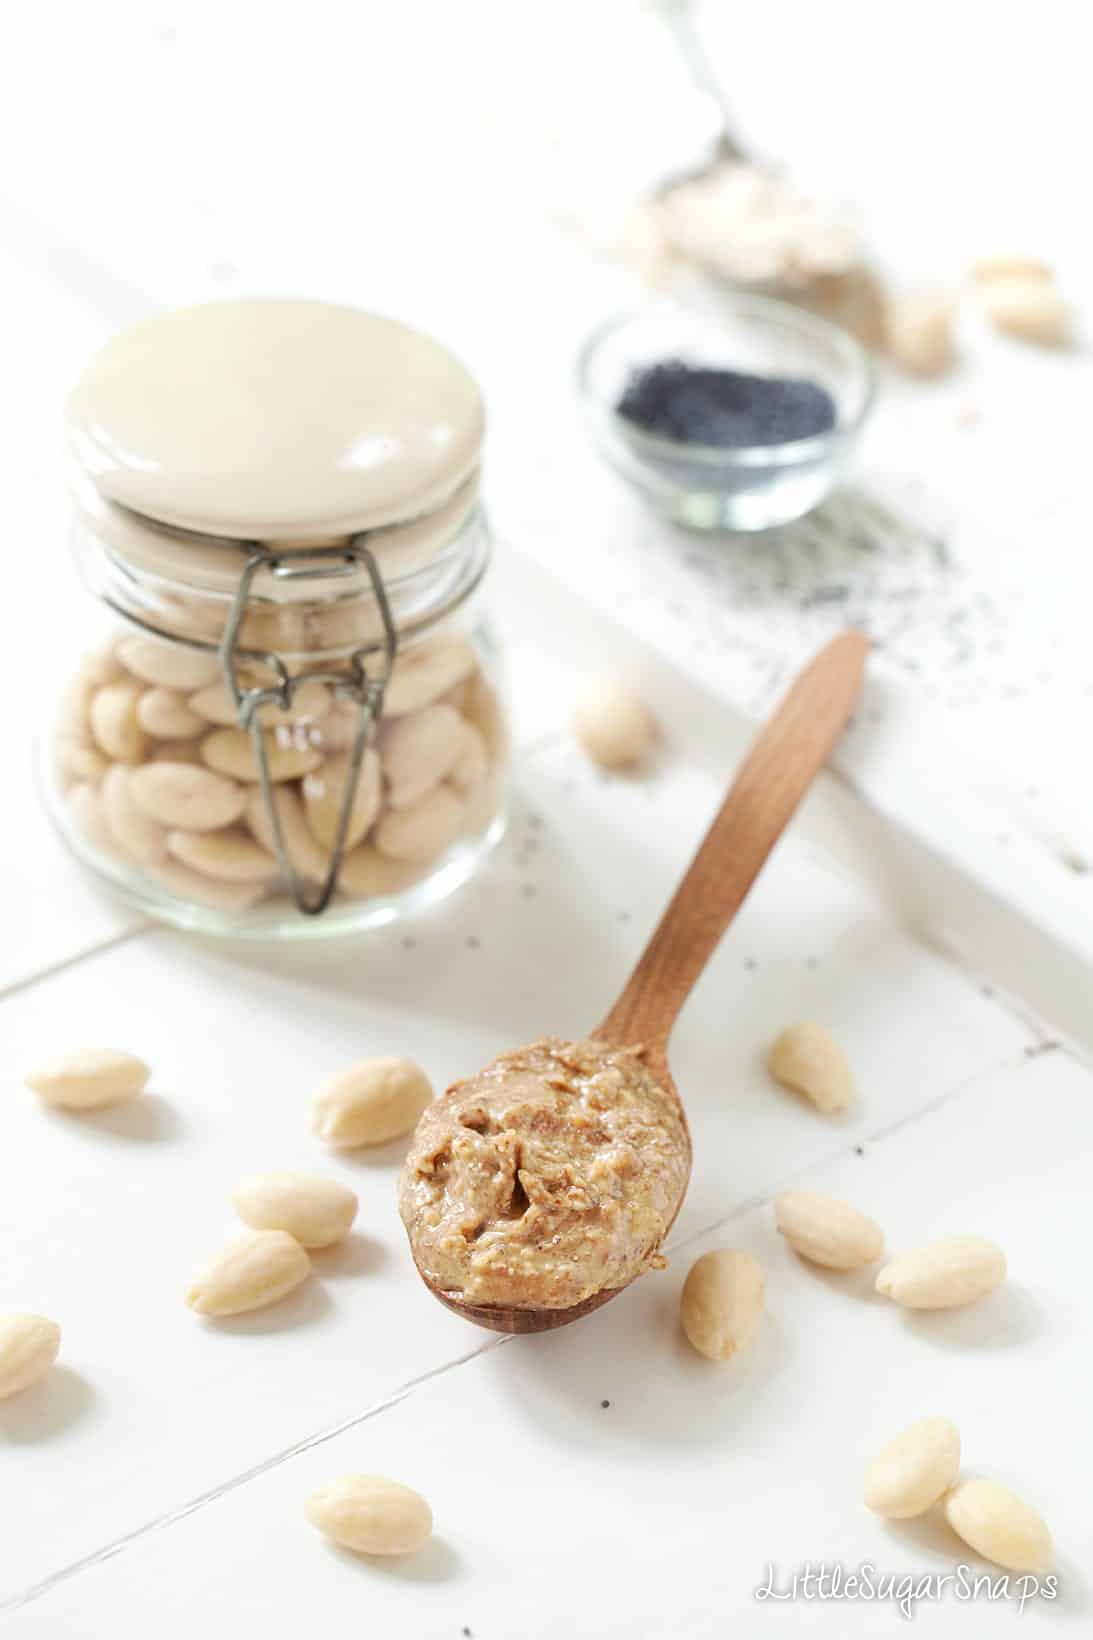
(370, 1103)
(1000, 1526)
(250, 1272)
(371, 1515)
(28, 1348)
(721, 1303)
(90, 1079)
(612, 725)
(912, 1472)
(807, 1059)
(826, 1231)
(919, 332)
(1033, 309)
(1010, 265)
(945, 1274)
(317, 1212)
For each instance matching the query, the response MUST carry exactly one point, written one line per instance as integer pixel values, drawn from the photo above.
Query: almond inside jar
(550, 1176)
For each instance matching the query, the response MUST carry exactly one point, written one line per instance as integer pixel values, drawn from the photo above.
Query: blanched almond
(89, 1079)
(28, 1348)
(252, 1271)
(612, 724)
(187, 796)
(305, 855)
(425, 673)
(423, 831)
(73, 720)
(482, 710)
(1000, 1526)
(215, 704)
(178, 751)
(483, 804)
(337, 731)
(230, 855)
(115, 724)
(371, 1514)
(103, 664)
(316, 1211)
(945, 1274)
(1033, 309)
(915, 1468)
(310, 702)
(89, 818)
(827, 1231)
(366, 872)
(171, 665)
(80, 760)
(134, 831)
(216, 892)
(473, 762)
(721, 1303)
(231, 752)
(370, 1103)
(919, 332)
(324, 794)
(165, 715)
(807, 1059)
(419, 750)
(1010, 265)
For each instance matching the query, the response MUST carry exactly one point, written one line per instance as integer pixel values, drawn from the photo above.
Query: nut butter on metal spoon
(538, 1189)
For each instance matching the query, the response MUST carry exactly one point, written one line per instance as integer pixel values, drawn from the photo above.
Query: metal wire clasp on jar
(353, 685)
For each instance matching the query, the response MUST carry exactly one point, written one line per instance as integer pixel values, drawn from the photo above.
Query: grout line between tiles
(170, 1517)
(764, 1197)
(1008, 1002)
(88, 954)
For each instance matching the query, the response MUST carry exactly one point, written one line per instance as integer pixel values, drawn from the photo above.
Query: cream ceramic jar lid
(276, 420)
(209, 565)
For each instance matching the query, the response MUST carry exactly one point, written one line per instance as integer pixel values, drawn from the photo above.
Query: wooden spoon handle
(773, 779)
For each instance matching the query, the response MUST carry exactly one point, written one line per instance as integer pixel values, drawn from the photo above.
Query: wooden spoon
(770, 784)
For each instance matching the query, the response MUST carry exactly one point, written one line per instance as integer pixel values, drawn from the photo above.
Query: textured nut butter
(551, 1175)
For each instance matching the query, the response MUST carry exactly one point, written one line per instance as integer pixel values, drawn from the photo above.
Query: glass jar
(294, 726)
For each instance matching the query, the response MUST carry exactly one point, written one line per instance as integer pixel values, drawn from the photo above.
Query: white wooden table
(154, 1483)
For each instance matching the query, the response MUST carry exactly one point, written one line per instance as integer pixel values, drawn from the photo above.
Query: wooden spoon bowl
(762, 799)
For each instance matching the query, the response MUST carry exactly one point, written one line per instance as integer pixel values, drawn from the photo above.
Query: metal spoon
(678, 17)
(838, 283)
(767, 789)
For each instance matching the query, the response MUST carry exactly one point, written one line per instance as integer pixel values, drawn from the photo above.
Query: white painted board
(693, 1477)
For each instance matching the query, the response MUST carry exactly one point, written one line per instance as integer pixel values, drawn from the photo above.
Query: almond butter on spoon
(539, 1188)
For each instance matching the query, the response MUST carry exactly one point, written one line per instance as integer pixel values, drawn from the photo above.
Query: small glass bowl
(702, 486)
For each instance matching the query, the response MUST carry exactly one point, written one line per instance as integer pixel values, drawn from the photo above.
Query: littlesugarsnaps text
(824, 1580)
